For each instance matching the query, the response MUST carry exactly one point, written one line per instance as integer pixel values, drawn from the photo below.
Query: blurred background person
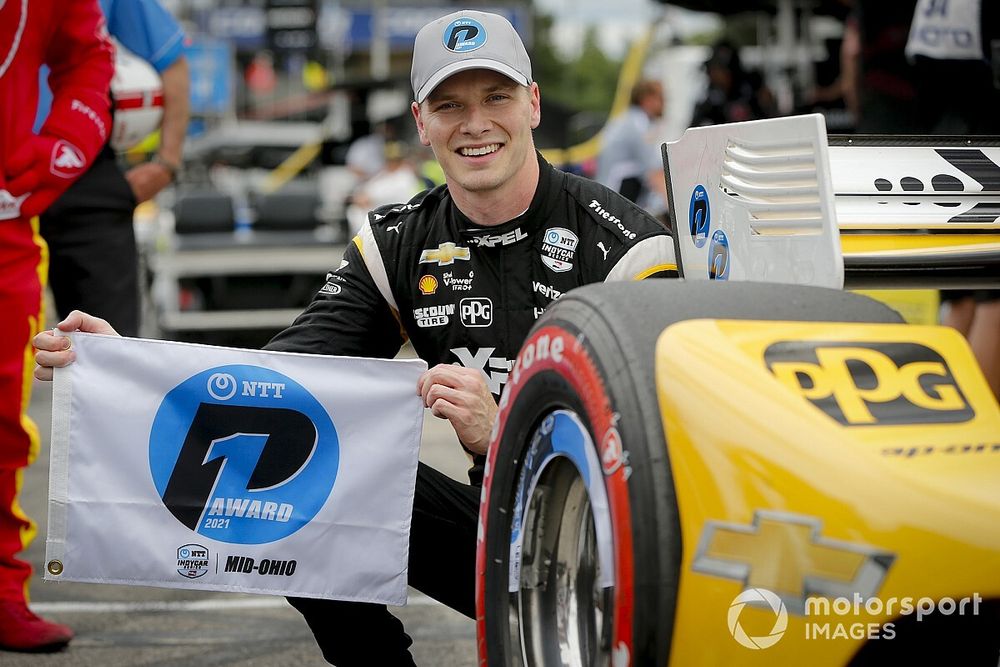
(34, 170)
(629, 161)
(976, 315)
(395, 183)
(902, 77)
(733, 94)
(366, 154)
(931, 67)
(94, 263)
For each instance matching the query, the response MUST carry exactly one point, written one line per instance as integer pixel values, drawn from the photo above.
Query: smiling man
(462, 271)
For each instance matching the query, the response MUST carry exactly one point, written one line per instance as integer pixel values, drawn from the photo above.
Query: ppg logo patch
(464, 35)
(243, 454)
(476, 311)
(699, 216)
(871, 384)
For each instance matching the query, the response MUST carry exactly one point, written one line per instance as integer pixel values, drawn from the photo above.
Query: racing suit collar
(528, 222)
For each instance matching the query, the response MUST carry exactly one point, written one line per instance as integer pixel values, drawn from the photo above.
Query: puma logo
(600, 244)
(395, 227)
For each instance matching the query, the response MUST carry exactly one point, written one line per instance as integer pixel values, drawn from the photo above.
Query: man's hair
(644, 88)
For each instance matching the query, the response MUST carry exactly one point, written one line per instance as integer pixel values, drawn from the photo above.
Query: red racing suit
(70, 37)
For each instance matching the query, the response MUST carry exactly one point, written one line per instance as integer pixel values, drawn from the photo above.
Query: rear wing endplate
(778, 201)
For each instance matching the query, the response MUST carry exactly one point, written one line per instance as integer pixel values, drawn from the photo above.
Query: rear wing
(779, 201)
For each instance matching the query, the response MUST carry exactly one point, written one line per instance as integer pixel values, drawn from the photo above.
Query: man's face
(478, 123)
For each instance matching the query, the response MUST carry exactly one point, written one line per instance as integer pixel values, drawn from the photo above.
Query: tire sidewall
(554, 370)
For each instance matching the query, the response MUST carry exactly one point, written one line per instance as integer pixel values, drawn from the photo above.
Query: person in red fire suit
(69, 37)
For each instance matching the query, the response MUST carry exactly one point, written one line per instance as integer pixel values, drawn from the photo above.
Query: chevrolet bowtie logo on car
(785, 553)
(444, 254)
(871, 384)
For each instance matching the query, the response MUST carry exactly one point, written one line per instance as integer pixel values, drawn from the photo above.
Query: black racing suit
(464, 294)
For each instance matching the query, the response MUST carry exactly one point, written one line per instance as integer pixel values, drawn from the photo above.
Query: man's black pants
(93, 261)
(442, 565)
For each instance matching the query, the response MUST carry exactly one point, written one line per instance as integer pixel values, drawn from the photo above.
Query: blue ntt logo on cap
(463, 35)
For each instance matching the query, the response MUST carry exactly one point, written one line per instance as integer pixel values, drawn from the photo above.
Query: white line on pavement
(78, 607)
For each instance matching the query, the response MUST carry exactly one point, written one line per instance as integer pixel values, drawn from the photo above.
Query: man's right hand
(461, 396)
(52, 351)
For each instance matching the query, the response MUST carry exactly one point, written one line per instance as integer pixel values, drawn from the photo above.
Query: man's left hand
(147, 179)
(461, 396)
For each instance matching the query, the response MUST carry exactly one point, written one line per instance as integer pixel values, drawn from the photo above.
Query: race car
(752, 465)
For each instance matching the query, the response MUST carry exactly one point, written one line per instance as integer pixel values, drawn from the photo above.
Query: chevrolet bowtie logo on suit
(445, 254)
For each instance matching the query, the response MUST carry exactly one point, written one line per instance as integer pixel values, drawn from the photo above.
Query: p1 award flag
(189, 466)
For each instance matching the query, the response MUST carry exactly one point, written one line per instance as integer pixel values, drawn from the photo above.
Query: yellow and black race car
(751, 465)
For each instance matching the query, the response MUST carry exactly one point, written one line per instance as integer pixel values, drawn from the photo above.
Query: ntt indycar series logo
(243, 454)
(192, 561)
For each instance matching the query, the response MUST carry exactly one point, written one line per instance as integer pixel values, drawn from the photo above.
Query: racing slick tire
(579, 539)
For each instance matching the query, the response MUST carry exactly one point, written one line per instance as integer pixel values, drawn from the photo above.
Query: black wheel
(580, 548)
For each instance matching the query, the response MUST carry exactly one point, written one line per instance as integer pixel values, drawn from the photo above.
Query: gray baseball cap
(466, 40)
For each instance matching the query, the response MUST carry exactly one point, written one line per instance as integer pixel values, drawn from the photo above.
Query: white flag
(189, 466)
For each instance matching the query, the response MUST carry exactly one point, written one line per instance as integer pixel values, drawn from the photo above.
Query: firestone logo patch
(612, 218)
